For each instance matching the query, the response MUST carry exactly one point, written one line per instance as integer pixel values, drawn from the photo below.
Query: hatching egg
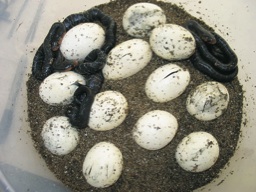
(197, 152)
(155, 129)
(127, 58)
(208, 101)
(103, 165)
(59, 87)
(59, 137)
(140, 18)
(108, 111)
(167, 82)
(172, 42)
(81, 40)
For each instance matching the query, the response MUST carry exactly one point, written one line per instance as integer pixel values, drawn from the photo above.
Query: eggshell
(108, 111)
(208, 101)
(127, 58)
(103, 165)
(59, 88)
(197, 152)
(140, 18)
(155, 129)
(81, 40)
(172, 42)
(59, 137)
(167, 82)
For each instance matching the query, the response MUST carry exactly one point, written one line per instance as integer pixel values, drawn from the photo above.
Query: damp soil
(144, 170)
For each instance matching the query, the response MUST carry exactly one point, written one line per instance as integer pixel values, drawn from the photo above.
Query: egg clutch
(104, 162)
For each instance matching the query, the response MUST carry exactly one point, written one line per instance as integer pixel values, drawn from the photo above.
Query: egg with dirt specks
(58, 135)
(58, 88)
(172, 42)
(79, 41)
(197, 152)
(103, 165)
(155, 129)
(126, 59)
(167, 82)
(208, 101)
(108, 111)
(140, 18)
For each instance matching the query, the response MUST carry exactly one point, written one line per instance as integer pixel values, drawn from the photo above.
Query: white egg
(59, 137)
(59, 87)
(208, 101)
(127, 58)
(81, 40)
(103, 165)
(155, 129)
(140, 18)
(197, 152)
(172, 42)
(108, 111)
(167, 82)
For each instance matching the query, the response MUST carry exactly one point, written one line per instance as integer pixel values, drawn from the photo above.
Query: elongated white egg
(127, 58)
(172, 42)
(59, 87)
(140, 18)
(167, 82)
(108, 111)
(197, 152)
(155, 129)
(81, 40)
(103, 165)
(59, 137)
(208, 101)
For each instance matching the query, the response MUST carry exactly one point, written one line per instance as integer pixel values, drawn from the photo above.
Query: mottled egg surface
(172, 42)
(167, 82)
(197, 152)
(81, 40)
(140, 18)
(155, 129)
(103, 165)
(127, 58)
(108, 111)
(59, 87)
(208, 101)
(59, 137)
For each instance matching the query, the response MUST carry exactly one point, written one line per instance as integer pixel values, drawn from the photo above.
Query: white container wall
(23, 26)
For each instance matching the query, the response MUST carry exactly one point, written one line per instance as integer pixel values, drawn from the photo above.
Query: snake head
(210, 39)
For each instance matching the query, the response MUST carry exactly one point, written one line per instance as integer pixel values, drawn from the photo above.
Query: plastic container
(23, 26)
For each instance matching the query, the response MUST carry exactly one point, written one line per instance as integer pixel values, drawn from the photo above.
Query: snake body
(79, 111)
(49, 59)
(213, 55)
(47, 54)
